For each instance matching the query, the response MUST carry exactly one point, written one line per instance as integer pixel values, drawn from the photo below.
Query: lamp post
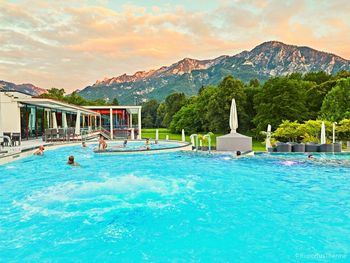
(334, 123)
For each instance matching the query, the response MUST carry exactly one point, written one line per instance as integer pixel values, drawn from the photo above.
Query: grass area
(151, 133)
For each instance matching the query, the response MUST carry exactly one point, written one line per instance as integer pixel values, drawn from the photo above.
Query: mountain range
(188, 75)
(26, 88)
(266, 60)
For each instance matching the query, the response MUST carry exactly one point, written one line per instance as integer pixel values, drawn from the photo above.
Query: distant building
(29, 117)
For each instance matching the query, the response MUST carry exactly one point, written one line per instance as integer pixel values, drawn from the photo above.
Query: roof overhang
(130, 109)
(58, 105)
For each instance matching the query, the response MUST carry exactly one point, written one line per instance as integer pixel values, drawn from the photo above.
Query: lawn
(151, 133)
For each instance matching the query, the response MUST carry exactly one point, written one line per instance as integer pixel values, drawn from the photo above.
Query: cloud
(71, 44)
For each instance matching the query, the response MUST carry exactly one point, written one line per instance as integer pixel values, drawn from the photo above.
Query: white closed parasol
(233, 117)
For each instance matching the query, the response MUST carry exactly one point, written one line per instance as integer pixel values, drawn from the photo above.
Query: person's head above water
(83, 144)
(238, 153)
(310, 156)
(71, 159)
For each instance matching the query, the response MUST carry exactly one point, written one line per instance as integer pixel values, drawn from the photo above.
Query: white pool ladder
(192, 140)
(209, 141)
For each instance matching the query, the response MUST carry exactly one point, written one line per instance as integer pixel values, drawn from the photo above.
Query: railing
(192, 140)
(209, 141)
(105, 133)
(65, 134)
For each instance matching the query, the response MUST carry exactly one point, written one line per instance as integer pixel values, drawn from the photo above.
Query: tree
(336, 104)
(310, 131)
(149, 113)
(287, 131)
(343, 128)
(115, 102)
(160, 115)
(54, 93)
(343, 74)
(173, 104)
(250, 92)
(220, 104)
(315, 95)
(254, 83)
(317, 77)
(203, 106)
(188, 118)
(75, 99)
(281, 98)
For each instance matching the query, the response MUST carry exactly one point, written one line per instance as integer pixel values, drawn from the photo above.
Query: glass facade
(35, 119)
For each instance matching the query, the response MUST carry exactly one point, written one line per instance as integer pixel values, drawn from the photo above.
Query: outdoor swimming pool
(173, 207)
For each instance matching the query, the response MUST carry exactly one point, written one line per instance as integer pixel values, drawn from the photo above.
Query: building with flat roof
(28, 117)
(118, 121)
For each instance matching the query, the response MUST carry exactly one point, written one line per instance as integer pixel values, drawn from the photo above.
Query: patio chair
(337, 147)
(16, 138)
(326, 148)
(284, 147)
(53, 135)
(299, 147)
(61, 135)
(47, 135)
(6, 140)
(312, 147)
(71, 133)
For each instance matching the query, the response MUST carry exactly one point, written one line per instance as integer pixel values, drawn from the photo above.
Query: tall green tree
(220, 104)
(160, 115)
(173, 104)
(187, 118)
(149, 113)
(250, 110)
(193, 116)
(336, 104)
(315, 95)
(281, 98)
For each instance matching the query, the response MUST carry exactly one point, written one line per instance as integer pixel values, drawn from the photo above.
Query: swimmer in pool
(125, 143)
(71, 161)
(155, 141)
(147, 141)
(310, 156)
(102, 145)
(238, 153)
(39, 151)
(83, 144)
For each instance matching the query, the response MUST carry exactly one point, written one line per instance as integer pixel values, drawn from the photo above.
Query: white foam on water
(288, 163)
(96, 198)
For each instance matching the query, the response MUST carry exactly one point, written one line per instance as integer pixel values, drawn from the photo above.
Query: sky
(71, 44)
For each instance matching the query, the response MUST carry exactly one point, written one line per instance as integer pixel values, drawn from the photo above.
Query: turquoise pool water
(174, 207)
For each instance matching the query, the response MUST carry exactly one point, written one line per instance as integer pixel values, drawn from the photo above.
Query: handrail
(105, 132)
(209, 141)
(192, 137)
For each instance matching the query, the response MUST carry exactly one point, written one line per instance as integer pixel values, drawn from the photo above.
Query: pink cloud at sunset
(71, 45)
